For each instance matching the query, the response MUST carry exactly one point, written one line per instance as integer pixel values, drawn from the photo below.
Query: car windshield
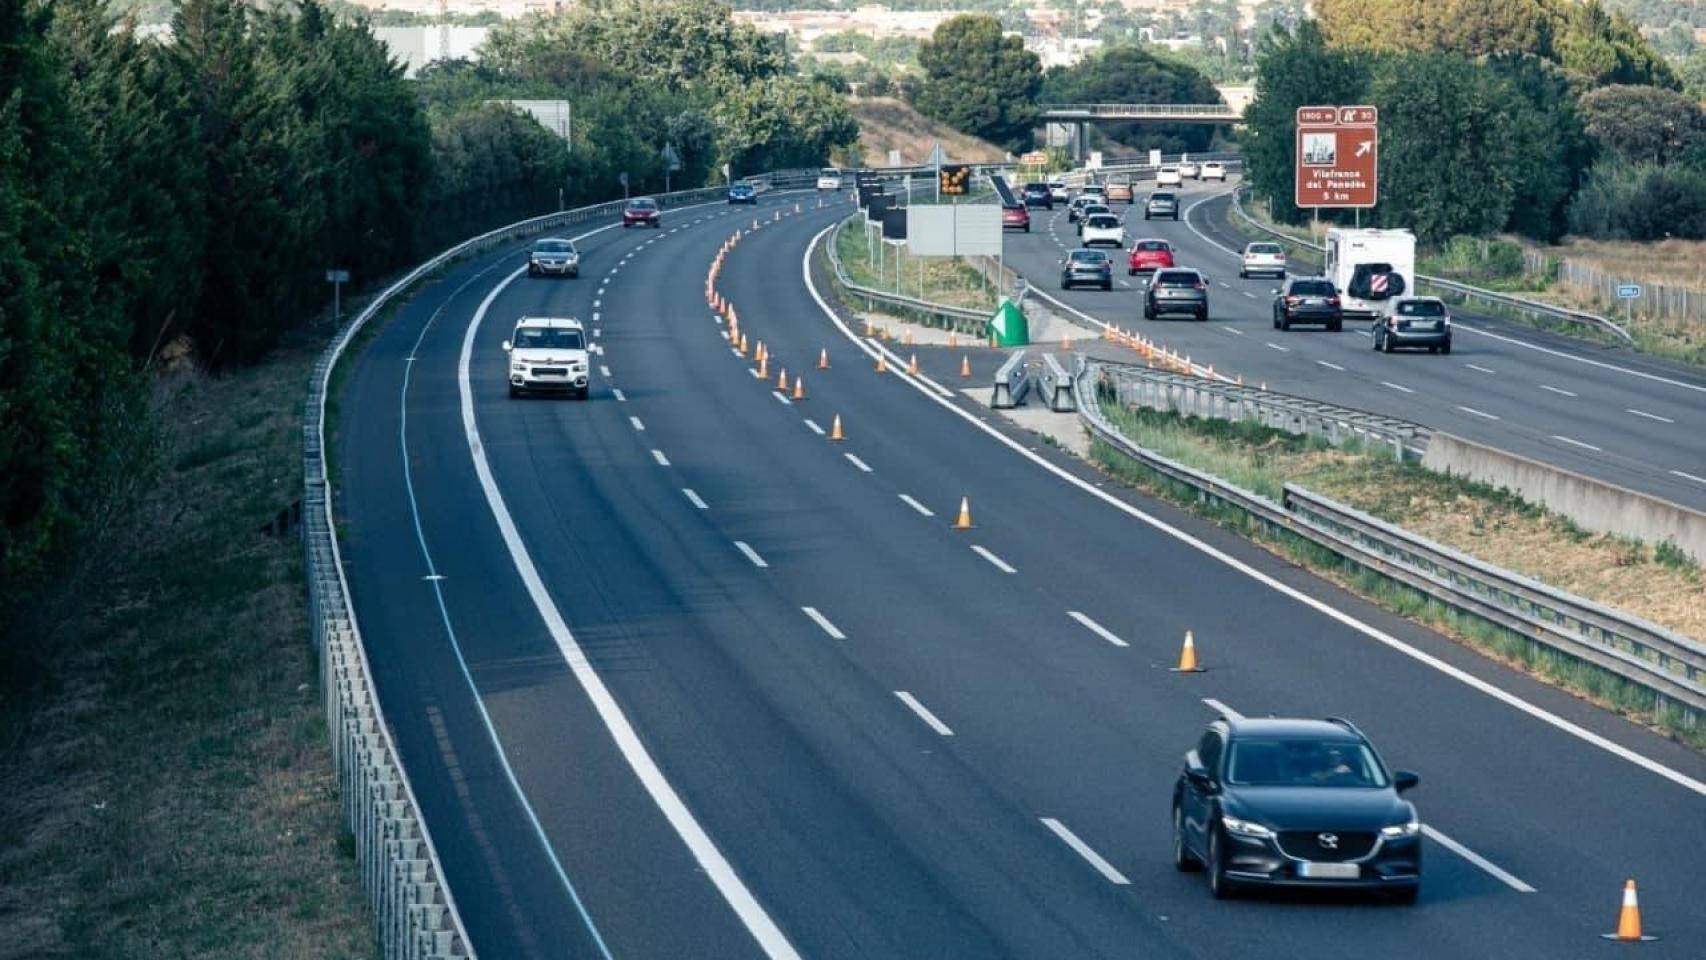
(1090, 209)
(642, 205)
(1421, 308)
(741, 187)
(554, 246)
(1303, 763)
(829, 172)
(1157, 246)
(1169, 169)
(1265, 249)
(1312, 288)
(1092, 257)
(1161, 197)
(549, 338)
(1104, 221)
(1181, 278)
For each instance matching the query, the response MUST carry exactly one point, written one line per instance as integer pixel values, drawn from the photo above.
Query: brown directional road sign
(1338, 156)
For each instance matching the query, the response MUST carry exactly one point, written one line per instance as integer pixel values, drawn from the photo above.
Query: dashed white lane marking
(1097, 628)
(751, 554)
(1125, 283)
(1496, 872)
(1234, 331)
(598, 303)
(814, 427)
(1474, 412)
(1090, 856)
(1479, 369)
(999, 563)
(694, 498)
(924, 713)
(1558, 390)
(637, 424)
(914, 504)
(1575, 443)
(597, 332)
(1248, 294)
(862, 465)
(595, 316)
(1649, 416)
(1222, 709)
(619, 395)
(1274, 346)
(1396, 386)
(1223, 283)
(1688, 476)
(662, 460)
(604, 371)
(823, 621)
(1330, 365)
(784, 400)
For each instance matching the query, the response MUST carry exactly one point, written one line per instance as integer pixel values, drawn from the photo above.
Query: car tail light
(1293, 301)
(1201, 285)
(1334, 300)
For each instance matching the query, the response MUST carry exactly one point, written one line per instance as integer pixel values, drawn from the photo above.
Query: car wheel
(1146, 214)
(1148, 312)
(1183, 860)
(514, 391)
(1406, 895)
(1202, 315)
(1027, 228)
(583, 393)
(1218, 883)
(1107, 285)
(1065, 286)
(1131, 271)
(1285, 323)
(1335, 325)
(1276, 321)
(1433, 348)
(1374, 341)
(532, 272)
(1386, 344)
(1446, 347)
(1243, 276)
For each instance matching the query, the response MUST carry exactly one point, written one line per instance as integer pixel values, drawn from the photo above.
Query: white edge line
(1649, 416)
(999, 563)
(717, 868)
(1081, 848)
(924, 713)
(823, 622)
(751, 554)
(1479, 413)
(1097, 628)
(1396, 386)
(1380, 636)
(1688, 476)
(1492, 869)
(814, 427)
(1330, 365)
(914, 504)
(1576, 443)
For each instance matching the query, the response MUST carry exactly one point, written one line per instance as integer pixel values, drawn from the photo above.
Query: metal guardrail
(1183, 111)
(1218, 399)
(414, 912)
(1055, 385)
(1669, 666)
(1011, 382)
(1461, 290)
(958, 319)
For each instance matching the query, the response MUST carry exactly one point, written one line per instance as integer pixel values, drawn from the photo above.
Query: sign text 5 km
(1338, 157)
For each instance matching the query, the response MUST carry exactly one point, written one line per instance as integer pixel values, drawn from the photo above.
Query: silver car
(554, 257)
(1176, 290)
(1161, 204)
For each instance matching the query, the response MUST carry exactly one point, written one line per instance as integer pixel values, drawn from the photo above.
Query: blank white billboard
(956, 230)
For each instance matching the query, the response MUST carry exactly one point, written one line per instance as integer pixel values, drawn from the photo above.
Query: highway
(675, 675)
(1610, 414)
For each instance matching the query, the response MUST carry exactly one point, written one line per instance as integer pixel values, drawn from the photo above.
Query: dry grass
(1677, 263)
(944, 279)
(167, 785)
(886, 123)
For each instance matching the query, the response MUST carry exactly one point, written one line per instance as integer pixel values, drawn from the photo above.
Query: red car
(1148, 255)
(641, 211)
(1016, 216)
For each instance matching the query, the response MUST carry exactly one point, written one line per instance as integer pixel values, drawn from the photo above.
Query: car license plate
(1329, 871)
(1314, 301)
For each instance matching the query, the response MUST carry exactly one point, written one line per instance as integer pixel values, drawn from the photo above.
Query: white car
(829, 178)
(1095, 192)
(1214, 170)
(1168, 177)
(1189, 168)
(1057, 190)
(1262, 258)
(1100, 228)
(548, 354)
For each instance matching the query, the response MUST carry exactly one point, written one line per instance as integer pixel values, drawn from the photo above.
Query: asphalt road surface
(675, 675)
(1611, 414)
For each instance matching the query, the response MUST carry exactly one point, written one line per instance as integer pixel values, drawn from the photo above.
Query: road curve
(906, 740)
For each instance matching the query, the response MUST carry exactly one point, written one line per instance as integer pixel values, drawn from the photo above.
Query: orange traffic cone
(1066, 343)
(743, 344)
(963, 522)
(835, 429)
(912, 365)
(782, 379)
(953, 338)
(869, 330)
(763, 354)
(965, 365)
(823, 359)
(882, 364)
(907, 338)
(1629, 918)
(1188, 656)
(763, 366)
(799, 388)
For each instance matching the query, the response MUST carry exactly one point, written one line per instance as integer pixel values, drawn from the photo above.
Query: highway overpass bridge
(1080, 116)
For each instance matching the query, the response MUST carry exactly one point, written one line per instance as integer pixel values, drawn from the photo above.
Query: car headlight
(1400, 830)
(1245, 828)
(518, 368)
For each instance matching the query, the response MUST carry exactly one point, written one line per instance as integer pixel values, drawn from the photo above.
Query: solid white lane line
(1492, 869)
(1688, 476)
(823, 622)
(1090, 856)
(1330, 365)
(999, 563)
(1326, 609)
(619, 395)
(1558, 390)
(914, 504)
(1575, 443)
(637, 424)
(1649, 416)
(862, 465)
(1274, 346)
(694, 499)
(751, 554)
(1697, 388)
(1479, 369)
(1478, 413)
(924, 713)
(814, 427)
(784, 400)
(1222, 709)
(662, 460)
(1396, 386)
(1097, 628)
(754, 372)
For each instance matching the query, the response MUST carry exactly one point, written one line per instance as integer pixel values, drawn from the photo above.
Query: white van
(1370, 268)
(548, 354)
(829, 178)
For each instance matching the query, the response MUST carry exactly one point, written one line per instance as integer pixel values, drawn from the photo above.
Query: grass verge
(1660, 584)
(169, 785)
(946, 280)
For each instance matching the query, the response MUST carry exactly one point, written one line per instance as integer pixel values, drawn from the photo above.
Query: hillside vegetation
(886, 123)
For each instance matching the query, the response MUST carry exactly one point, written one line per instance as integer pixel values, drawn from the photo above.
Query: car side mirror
(507, 347)
(1276, 291)
(1200, 778)
(1404, 779)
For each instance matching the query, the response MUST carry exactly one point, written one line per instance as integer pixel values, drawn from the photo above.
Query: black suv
(1308, 300)
(1038, 195)
(1296, 803)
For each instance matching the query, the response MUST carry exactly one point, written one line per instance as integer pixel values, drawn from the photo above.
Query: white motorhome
(1370, 268)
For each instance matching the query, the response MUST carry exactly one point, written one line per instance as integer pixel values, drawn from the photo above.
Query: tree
(1552, 149)
(1644, 124)
(1132, 74)
(979, 81)
(1293, 70)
